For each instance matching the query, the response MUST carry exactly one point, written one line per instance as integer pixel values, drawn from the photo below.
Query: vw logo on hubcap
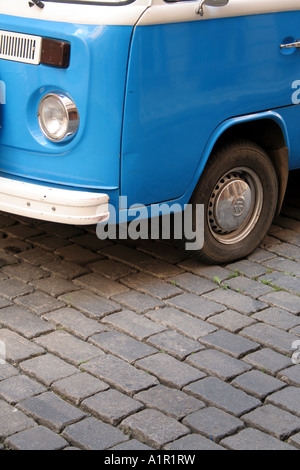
(238, 205)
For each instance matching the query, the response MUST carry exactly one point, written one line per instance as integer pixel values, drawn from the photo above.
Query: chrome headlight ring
(58, 117)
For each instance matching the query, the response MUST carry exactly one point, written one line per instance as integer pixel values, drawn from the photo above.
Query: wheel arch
(267, 130)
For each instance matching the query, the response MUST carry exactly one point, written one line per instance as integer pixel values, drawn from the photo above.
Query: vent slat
(20, 47)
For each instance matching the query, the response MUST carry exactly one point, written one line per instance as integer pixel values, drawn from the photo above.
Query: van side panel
(184, 80)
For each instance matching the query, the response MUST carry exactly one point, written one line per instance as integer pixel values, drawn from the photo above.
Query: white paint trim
(80, 14)
(182, 11)
(52, 204)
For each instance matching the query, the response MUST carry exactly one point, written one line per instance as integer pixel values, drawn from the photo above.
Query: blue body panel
(152, 100)
(95, 80)
(185, 80)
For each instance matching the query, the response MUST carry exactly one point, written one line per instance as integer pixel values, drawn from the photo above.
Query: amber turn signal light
(55, 53)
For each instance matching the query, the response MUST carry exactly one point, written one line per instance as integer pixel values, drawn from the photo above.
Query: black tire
(239, 181)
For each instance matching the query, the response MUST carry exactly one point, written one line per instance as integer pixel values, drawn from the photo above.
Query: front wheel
(239, 192)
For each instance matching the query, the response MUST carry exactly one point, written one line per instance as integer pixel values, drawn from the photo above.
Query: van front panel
(95, 80)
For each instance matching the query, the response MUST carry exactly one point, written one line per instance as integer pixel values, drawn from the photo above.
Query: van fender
(279, 154)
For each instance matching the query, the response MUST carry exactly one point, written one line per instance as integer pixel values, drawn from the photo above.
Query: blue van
(193, 102)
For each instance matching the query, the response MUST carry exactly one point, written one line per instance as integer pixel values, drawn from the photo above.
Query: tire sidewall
(246, 155)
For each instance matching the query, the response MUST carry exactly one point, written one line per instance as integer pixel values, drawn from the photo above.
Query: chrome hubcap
(235, 205)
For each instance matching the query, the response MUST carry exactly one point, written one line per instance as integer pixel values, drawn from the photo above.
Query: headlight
(58, 117)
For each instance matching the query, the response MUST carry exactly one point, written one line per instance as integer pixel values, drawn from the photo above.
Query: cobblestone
(101, 285)
(79, 386)
(119, 345)
(51, 411)
(111, 406)
(193, 284)
(119, 374)
(65, 269)
(154, 428)
(49, 242)
(218, 364)
(133, 444)
(268, 360)
(195, 306)
(231, 320)
(248, 286)
(24, 272)
(18, 388)
(90, 304)
(24, 322)
(247, 267)
(190, 326)
(274, 421)
(169, 370)
(133, 324)
(193, 442)
(12, 420)
(260, 255)
(151, 285)
(173, 403)
(222, 395)
(18, 348)
(137, 301)
(111, 269)
(236, 301)
(77, 254)
(37, 256)
(74, 322)
(291, 375)
(283, 265)
(7, 260)
(213, 423)
(54, 286)
(284, 300)
(162, 251)
(11, 245)
(93, 434)
(287, 399)
(295, 440)
(37, 438)
(270, 336)
(21, 231)
(47, 368)
(12, 288)
(287, 250)
(229, 343)
(258, 384)
(175, 344)
(209, 272)
(277, 317)
(282, 280)
(68, 347)
(6, 371)
(39, 302)
(61, 230)
(252, 439)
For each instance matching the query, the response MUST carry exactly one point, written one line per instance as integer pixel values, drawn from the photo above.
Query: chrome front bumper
(52, 204)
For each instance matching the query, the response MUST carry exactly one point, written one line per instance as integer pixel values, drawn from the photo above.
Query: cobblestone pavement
(112, 345)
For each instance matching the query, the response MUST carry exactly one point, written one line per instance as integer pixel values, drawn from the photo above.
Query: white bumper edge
(54, 205)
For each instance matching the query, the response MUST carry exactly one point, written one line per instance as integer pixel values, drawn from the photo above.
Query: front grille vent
(20, 47)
